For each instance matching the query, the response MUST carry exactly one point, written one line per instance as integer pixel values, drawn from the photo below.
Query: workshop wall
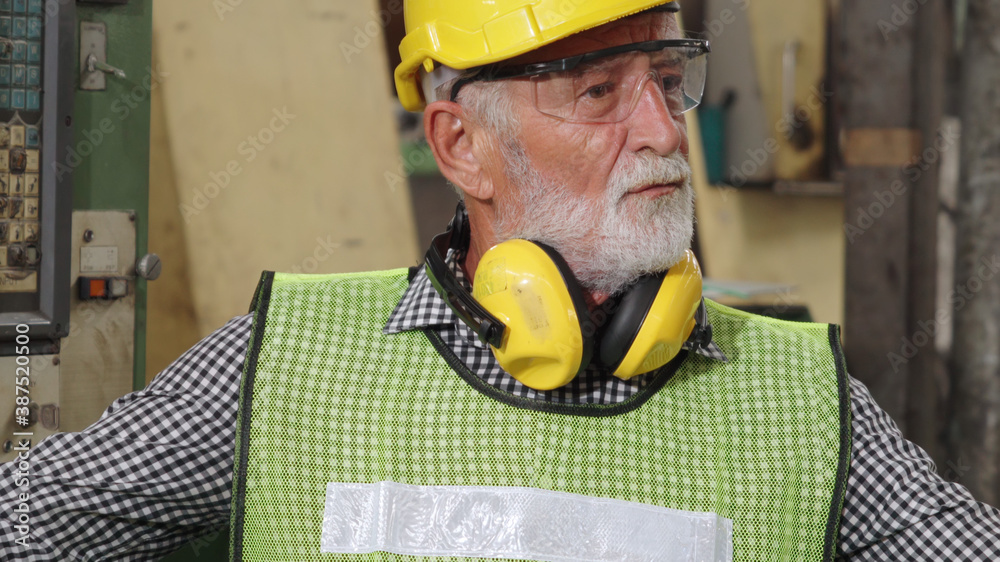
(277, 136)
(762, 236)
(172, 324)
(779, 216)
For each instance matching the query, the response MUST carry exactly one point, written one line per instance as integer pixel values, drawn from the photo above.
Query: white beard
(612, 245)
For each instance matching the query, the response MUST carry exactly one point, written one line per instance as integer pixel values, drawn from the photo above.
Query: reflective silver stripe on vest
(523, 523)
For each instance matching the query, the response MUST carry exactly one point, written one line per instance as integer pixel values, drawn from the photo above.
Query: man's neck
(480, 241)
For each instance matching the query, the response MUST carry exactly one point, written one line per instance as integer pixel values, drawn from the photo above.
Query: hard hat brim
(511, 34)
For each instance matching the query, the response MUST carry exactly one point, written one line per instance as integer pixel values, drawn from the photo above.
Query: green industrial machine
(113, 123)
(74, 192)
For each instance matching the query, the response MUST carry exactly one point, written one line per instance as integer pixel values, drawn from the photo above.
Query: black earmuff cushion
(579, 303)
(617, 337)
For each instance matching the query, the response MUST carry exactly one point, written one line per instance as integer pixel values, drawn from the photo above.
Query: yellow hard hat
(466, 33)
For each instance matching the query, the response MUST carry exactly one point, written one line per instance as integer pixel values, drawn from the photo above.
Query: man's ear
(452, 140)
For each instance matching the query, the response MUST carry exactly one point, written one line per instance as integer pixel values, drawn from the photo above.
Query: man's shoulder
(744, 336)
(731, 320)
(306, 279)
(296, 282)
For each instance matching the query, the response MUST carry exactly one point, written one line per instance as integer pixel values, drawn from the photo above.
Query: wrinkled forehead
(646, 26)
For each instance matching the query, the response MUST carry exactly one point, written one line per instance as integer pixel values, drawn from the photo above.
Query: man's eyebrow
(602, 63)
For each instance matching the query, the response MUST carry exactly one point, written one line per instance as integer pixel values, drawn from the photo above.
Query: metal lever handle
(94, 65)
(789, 60)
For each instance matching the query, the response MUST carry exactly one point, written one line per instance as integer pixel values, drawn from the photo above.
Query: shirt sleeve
(151, 475)
(896, 507)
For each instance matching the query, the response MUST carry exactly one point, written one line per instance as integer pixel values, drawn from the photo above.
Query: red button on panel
(98, 288)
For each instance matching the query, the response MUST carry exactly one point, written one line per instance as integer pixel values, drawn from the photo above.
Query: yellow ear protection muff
(653, 320)
(529, 287)
(527, 305)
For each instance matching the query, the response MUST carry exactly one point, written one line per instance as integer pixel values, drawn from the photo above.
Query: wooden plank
(876, 286)
(927, 391)
(976, 348)
(875, 86)
(281, 124)
(171, 319)
(881, 147)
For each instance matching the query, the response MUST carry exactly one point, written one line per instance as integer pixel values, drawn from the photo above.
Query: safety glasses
(605, 86)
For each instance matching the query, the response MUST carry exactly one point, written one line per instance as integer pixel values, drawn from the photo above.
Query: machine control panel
(21, 56)
(37, 84)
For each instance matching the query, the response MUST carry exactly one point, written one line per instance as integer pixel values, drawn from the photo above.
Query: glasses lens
(606, 90)
(695, 70)
(594, 91)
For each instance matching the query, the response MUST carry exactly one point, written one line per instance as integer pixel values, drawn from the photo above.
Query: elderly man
(549, 387)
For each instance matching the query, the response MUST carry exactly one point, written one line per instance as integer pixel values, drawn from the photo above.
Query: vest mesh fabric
(326, 397)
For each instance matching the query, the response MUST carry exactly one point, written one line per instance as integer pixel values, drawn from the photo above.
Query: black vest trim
(846, 437)
(588, 410)
(262, 298)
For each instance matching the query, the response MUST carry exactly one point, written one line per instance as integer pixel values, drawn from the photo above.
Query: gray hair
(489, 105)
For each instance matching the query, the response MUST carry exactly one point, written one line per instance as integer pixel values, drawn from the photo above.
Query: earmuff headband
(488, 327)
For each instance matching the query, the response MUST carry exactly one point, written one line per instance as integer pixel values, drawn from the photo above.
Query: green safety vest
(763, 440)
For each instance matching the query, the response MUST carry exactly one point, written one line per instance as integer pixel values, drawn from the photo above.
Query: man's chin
(624, 272)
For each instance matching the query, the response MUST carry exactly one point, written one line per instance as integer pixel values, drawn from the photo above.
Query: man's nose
(651, 125)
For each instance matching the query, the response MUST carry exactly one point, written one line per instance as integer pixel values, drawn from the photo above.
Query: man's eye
(671, 83)
(597, 92)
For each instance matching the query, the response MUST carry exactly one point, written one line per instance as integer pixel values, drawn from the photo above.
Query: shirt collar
(422, 307)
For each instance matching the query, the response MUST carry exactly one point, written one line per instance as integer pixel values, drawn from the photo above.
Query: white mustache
(646, 168)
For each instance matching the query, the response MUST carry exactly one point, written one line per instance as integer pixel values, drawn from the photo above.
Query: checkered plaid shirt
(155, 471)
